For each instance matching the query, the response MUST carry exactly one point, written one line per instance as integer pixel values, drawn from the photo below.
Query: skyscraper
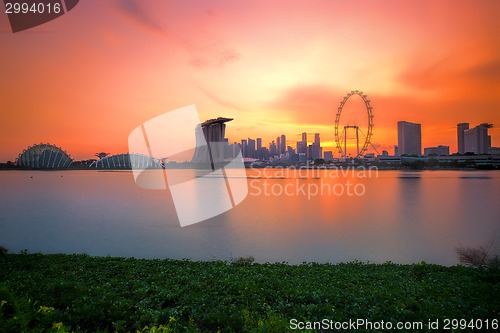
(409, 138)
(460, 136)
(283, 144)
(259, 143)
(301, 147)
(316, 138)
(278, 146)
(316, 151)
(244, 148)
(477, 140)
(251, 148)
(260, 152)
(272, 149)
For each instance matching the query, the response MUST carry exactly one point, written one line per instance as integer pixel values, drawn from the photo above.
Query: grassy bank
(44, 293)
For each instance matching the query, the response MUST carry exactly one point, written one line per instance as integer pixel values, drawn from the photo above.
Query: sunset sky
(85, 80)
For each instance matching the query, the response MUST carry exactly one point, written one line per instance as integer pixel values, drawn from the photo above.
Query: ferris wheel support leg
(357, 141)
(345, 143)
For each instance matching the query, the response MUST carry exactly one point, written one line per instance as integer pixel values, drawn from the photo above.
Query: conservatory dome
(124, 161)
(43, 156)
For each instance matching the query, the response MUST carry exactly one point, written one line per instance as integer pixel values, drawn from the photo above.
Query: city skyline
(412, 137)
(477, 142)
(86, 80)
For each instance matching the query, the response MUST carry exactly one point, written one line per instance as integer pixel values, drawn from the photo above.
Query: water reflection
(401, 216)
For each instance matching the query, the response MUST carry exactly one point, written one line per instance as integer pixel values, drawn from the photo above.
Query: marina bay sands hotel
(210, 143)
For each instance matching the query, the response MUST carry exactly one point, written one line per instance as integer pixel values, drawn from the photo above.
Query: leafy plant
(476, 257)
(3, 250)
(247, 260)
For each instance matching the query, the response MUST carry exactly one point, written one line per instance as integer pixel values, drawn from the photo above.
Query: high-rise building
(477, 140)
(301, 147)
(260, 150)
(209, 135)
(259, 143)
(461, 128)
(233, 150)
(251, 148)
(272, 149)
(244, 148)
(304, 138)
(316, 139)
(409, 138)
(316, 151)
(278, 146)
(283, 144)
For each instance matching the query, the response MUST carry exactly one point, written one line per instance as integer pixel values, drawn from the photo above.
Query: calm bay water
(397, 216)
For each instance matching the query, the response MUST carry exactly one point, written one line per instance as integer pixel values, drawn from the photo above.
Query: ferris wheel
(341, 137)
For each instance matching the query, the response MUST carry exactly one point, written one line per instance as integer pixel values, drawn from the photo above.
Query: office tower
(301, 147)
(260, 151)
(437, 151)
(409, 138)
(316, 151)
(272, 149)
(234, 150)
(283, 144)
(251, 148)
(316, 139)
(477, 140)
(244, 148)
(396, 151)
(278, 146)
(328, 156)
(460, 136)
(259, 143)
(304, 139)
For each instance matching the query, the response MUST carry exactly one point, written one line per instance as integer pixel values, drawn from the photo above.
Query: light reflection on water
(402, 217)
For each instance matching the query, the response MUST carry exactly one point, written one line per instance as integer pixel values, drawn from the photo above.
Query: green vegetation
(66, 293)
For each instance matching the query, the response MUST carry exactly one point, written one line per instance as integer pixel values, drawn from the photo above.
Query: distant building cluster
(279, 151)
(469, 140)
